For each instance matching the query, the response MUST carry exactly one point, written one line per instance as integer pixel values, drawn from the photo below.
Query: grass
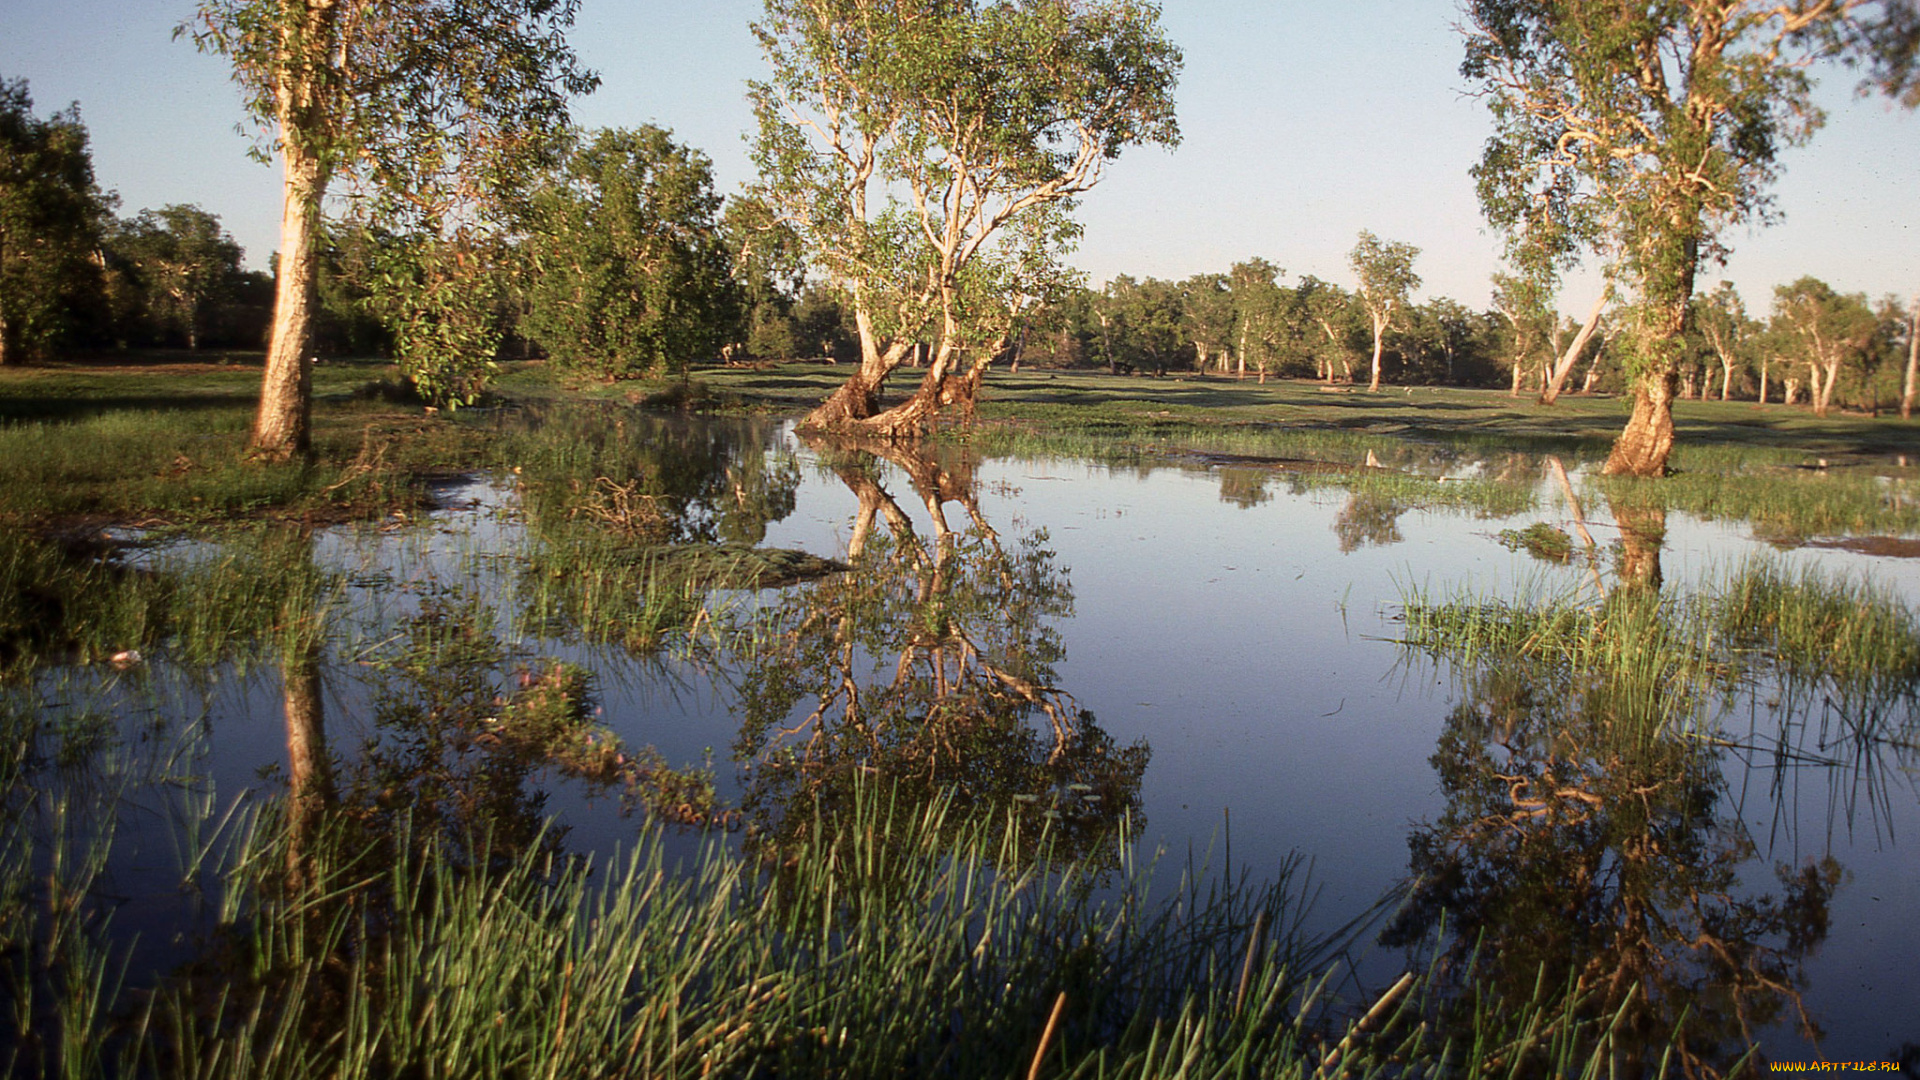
(849, 958)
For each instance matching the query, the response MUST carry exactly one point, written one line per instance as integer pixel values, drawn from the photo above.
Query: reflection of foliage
(660, 478)
(1245, 488)
(461, 733)
(1368, 519)
(930, 668)
(1584, 840)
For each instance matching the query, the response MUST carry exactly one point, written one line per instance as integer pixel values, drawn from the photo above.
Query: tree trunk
(1519, 375)
(1564, 366)
(1913, 358)
(1822, 389)
(1642, 449)
(283, 426)
(1766, 365)
(1379, 343)
(1643, 531)
(6, 345)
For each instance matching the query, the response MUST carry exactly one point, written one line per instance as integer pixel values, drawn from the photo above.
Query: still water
(1232, 634)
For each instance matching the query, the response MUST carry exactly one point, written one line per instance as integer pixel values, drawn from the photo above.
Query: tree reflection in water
(930, 668)
(1588, 841)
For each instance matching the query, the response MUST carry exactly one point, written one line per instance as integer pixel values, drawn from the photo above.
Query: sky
(1303, 123)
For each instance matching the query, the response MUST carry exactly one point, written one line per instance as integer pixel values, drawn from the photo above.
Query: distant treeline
(623, 262)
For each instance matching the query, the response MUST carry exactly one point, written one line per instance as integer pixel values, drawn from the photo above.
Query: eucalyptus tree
(1525, 302)
(50, 218)
(1722, 320)
(630, 274)
(186, 263)
(1385, 271)
(1908, 386)
(902, 142)
(1646, 130)
(429, 107)
(1206, 309)
(1334, 313)
(1260, 310)
(1831, 329)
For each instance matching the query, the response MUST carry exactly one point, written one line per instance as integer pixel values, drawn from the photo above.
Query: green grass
(885, 947)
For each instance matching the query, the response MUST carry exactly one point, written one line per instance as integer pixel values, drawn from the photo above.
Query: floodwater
(1220, 645)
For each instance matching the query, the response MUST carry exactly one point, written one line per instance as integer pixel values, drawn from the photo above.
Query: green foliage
(50, 222)
(440, 300)
(629, 274)
(926, 158)
(183, 267)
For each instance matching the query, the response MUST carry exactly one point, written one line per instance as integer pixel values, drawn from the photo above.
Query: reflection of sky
(1254, 657)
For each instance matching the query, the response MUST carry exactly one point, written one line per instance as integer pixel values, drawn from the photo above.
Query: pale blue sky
(1304, 123)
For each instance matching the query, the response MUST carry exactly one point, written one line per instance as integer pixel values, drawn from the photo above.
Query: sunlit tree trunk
(1913, 357)
(283, 426)
(1380, 320)
(1642, 448)
(1564, 367)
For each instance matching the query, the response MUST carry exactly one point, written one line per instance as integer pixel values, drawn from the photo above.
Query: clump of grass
(1862, 641)
(1548, 543)
(883, 947)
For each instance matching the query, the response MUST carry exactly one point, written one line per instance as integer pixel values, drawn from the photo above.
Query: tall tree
(186, 263)
(1385, 270)
(1722, 320)
(1908, 387)
(631, 275)
(900, 140)
(1649, 129)
(411, 99)
(50, 217)
(1832, 329)
(1206, 309)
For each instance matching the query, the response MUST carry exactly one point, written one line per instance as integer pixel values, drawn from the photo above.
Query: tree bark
(1564, 366)
(1642, 449)
(283, 426)
(1379, 343)
(1913, 358)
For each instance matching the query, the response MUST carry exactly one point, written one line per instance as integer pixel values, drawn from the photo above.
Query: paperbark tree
(907, 143)
(1562, 367)
(50, 216)
(1723, 321)
(1385, 270)
(1832, 328)
(1913, 358)
(1652, 128)
(419, 102)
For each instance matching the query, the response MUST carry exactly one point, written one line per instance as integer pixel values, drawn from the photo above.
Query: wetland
(572, 736)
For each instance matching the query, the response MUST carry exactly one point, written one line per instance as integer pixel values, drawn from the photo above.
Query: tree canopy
(435, 111)
(50, 219)
(1646, 130)
(630, 273)
(925, 156)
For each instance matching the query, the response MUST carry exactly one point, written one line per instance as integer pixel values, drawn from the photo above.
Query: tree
(1260, 309)
(186, 263)
(906, 144)
(1385, 270)
(50, 217)
(430, 106)
(630, 273)
(1913, 358)
(1832, 328)
(1722, 320)
(1646, 130)
(1525, 303)
(1333, 312)
(1206, 309)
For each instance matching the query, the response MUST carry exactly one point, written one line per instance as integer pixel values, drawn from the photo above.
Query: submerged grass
(881, 947)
